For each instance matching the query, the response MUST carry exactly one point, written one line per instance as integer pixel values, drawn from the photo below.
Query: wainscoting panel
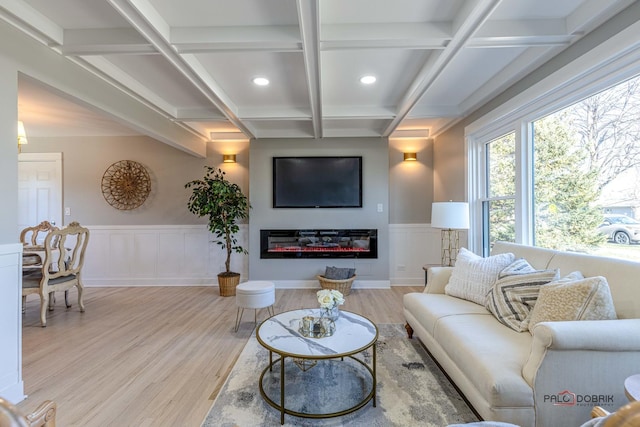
(412, 246)
(185, 255)
(160, 255)
(11, 384)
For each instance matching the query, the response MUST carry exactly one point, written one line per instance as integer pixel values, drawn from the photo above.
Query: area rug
(411, 389)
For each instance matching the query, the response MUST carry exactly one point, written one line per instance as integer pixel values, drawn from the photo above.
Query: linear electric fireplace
(310, 243)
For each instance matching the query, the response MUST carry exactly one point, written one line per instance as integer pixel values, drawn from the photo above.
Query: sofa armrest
(437, 279)
(584, 335)
(588, 360)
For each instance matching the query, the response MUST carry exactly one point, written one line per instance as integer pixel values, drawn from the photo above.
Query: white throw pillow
(473, 276)
(582, 299)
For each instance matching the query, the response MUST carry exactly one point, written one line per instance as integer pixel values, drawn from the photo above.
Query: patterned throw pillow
(515, 292)
(473, 275)
(582, 299)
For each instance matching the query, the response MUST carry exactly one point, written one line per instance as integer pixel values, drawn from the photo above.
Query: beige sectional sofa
(550, 376)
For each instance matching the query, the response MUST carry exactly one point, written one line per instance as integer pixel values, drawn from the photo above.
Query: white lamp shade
(450, 215)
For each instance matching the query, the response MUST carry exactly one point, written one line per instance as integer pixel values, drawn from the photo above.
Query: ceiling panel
(435, 61)
(234, 71)
(394, 69)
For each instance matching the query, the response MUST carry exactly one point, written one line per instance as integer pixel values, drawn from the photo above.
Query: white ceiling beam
(274, 113)
(435, 111)
(361, 111)
(148, 22)
(465, 27)
(22, 16)
(277, 38)
(522, 33)
(199, 115)
(434, 35)
(309, 20)
(105, 41)
(123, 81)
(410, 134)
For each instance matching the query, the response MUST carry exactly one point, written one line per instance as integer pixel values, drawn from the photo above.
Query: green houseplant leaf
(224, 203)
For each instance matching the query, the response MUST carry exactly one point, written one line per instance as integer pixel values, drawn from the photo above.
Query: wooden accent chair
(33, 233)
(627, 416)
(44, 415)
(61, 268)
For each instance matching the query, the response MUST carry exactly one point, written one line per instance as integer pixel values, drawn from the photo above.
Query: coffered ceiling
(435, 61)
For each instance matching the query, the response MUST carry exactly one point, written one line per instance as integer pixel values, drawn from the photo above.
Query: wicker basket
(228, 284)
(343, 285)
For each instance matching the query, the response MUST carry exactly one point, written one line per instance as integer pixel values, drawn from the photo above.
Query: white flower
(329, 298)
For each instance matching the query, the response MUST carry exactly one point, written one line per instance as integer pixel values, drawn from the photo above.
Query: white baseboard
(314, 284)
(117, 283)
(14, 393)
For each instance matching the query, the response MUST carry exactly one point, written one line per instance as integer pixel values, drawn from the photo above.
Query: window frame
(606, 65)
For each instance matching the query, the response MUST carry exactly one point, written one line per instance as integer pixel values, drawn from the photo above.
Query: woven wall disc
(126, 185)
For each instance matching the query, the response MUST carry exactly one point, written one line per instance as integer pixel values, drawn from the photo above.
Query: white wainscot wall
(187, 255)
(412, 246)
(11, 384)
(183, 255)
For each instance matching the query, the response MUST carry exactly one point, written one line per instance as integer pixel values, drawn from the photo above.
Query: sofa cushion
(515, 292)
(428, 309)
(490, 355)
(582, 299)
(473, 275)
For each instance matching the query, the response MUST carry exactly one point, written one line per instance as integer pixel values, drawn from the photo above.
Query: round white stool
(254, 294)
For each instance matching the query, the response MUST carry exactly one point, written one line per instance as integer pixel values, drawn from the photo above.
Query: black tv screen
(317, 182)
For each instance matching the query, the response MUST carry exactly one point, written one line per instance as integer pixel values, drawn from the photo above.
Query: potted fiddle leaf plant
(224, 203)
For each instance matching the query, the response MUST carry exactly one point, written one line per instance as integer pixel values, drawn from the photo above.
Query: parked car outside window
(620, 229)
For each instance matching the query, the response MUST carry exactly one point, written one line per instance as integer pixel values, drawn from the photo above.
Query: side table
(632, 387)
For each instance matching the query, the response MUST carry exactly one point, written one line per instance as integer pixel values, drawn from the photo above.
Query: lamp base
(450, 244)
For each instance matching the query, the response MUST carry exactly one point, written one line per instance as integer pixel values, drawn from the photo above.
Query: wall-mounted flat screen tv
(317, 182)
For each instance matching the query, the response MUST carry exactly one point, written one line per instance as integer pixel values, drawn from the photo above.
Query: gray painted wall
(410, 183)
(86, 159)
(375, 158)
(8, 152)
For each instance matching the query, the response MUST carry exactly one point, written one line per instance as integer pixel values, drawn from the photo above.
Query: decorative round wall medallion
(126, 185)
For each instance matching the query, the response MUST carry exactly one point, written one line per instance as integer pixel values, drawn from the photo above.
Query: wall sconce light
(228, 158)
(22, 136)
(410, 157)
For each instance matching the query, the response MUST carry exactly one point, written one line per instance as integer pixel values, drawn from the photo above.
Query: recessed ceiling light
(261, 81)
(367, 80)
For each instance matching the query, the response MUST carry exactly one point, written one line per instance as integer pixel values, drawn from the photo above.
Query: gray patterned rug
(411, 389)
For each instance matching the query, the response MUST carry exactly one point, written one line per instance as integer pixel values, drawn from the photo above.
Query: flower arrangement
(329, 299)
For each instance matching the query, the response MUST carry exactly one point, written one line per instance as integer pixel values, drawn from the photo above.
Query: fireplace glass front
(311, 243)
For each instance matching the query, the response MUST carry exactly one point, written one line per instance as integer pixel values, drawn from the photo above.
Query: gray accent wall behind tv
(375, 187)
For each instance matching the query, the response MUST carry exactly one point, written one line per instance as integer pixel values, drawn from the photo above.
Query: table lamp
(450, 217)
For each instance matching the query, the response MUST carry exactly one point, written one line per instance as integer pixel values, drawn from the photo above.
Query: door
(39, 189)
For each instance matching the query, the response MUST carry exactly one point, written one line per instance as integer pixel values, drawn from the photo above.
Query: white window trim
(609, 63)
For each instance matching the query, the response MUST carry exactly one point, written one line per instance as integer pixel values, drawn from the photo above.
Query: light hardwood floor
(152, 356)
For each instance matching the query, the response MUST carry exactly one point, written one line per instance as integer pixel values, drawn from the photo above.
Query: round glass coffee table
(318, 377)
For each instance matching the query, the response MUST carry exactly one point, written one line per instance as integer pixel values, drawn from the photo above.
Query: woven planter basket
(228, 284)
(343, 286)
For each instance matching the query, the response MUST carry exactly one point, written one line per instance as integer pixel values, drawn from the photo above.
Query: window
(584, 173)
(498, 208)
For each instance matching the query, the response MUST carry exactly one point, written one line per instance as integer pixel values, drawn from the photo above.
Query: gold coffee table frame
(283, 355)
